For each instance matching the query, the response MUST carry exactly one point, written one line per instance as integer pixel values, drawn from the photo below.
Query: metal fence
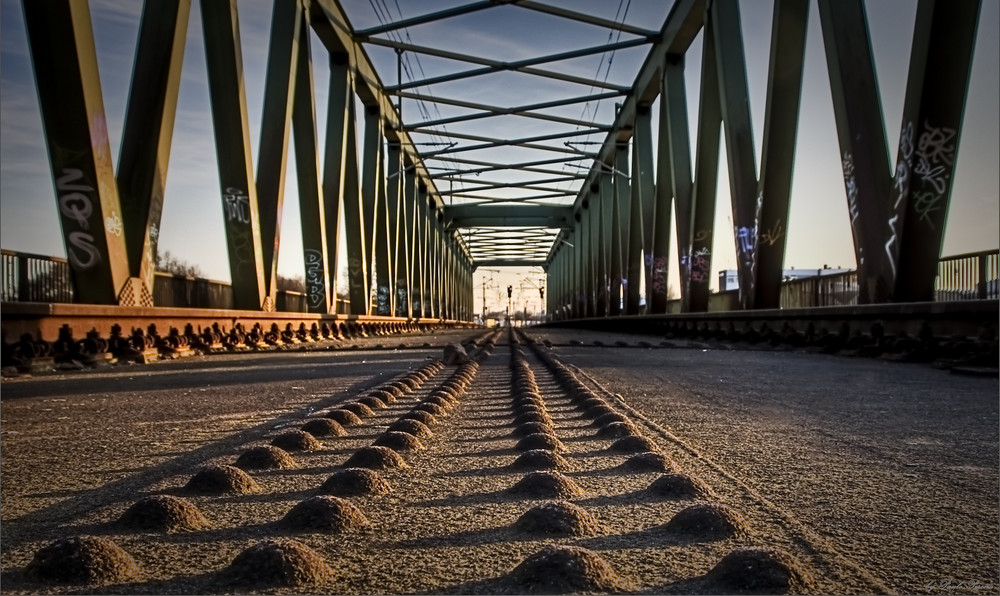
(36, 278)
(969, 276)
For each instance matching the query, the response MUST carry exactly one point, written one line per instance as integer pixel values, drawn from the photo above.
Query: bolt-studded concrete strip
(544, 463)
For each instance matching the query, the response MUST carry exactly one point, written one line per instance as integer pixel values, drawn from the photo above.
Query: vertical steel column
(279, 93)
(599, 248)
(860, 129)
(340, 168)
(394, 200)
(312, 202)
(69, 95)
(632, 239)
(673, 175)
(586, 273)
(608, 224)
(434, 263)
(425, 251)
(643, 140)
(355, 219)
(933, 110)
(724, 19)
(598, 287)
(615, 267)
(578, 312)
(781, 119)
(417, 250)
(373, 198)
(695, 241)
(641, 236)
(232, 145)
(404, 267)
(620, 224)
(147, 136)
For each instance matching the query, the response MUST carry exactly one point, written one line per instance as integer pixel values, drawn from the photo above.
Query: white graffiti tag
(315, 287)
(935, 156)
(237, 205)
(77, 207)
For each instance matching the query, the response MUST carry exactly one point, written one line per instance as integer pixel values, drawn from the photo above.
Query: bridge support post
(781, 117)
(933, 111)
(239, 193)
(147, 136)
(276, 117)
(641, 225)
(619, 228)
(606, 198)
(696, 242)
(860, 130)
(320, 271)
(586, 262)
(372, 194)
(69, 93)
(724, 19)
(340, 169)
(673, 177)
(597, 250)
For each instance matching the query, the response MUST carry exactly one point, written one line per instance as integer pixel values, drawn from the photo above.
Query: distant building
(729, 279)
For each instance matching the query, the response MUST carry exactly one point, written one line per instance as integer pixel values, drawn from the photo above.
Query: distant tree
(168, 263)
(294, 284)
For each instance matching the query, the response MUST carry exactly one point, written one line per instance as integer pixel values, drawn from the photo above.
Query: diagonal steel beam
(525, 66)
(781, 116)
(861, 133)
(279, 94)
(232, 140)
(148, 132)
(430, 17)
(64, 58)
(585, 18)
(933, 111)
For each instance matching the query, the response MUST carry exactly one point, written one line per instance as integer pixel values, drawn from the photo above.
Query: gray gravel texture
(877, 477)
(892, 466)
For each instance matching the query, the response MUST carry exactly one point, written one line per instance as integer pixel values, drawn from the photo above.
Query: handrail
(28, 277)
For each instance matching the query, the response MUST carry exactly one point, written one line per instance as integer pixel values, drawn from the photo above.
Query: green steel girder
(620, 218)
(724, 21)
(695, 245)
(232, 141)
(600, 290)
(340, 173)
(475, 216)
(643, 197)
(69, 92)
(319, 275)
(673, 178)
(933, 112)
(279, 93)
(148, 132)
(606, 188)
(861, 133)
(356, 222)
(781, 116)
(492, 66)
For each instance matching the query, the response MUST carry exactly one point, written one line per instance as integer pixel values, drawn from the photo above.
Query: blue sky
(191, 228)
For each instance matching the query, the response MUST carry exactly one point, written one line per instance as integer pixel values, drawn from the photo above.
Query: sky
(192, 222)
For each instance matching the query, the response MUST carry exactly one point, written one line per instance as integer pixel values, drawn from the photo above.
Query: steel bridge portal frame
(405, 255)
(402, 260)
(897, 217)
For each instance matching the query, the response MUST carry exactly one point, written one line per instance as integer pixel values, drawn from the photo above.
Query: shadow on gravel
(478, 472)
(654, 537)
(466, 538)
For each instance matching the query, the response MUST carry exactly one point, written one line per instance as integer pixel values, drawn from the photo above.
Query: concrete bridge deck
(875, 476)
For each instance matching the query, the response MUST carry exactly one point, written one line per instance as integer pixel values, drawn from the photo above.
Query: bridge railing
(28, 277)
(968, 276)
(35, 278)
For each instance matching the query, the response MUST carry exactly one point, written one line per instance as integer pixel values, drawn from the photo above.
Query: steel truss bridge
(595, 216)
